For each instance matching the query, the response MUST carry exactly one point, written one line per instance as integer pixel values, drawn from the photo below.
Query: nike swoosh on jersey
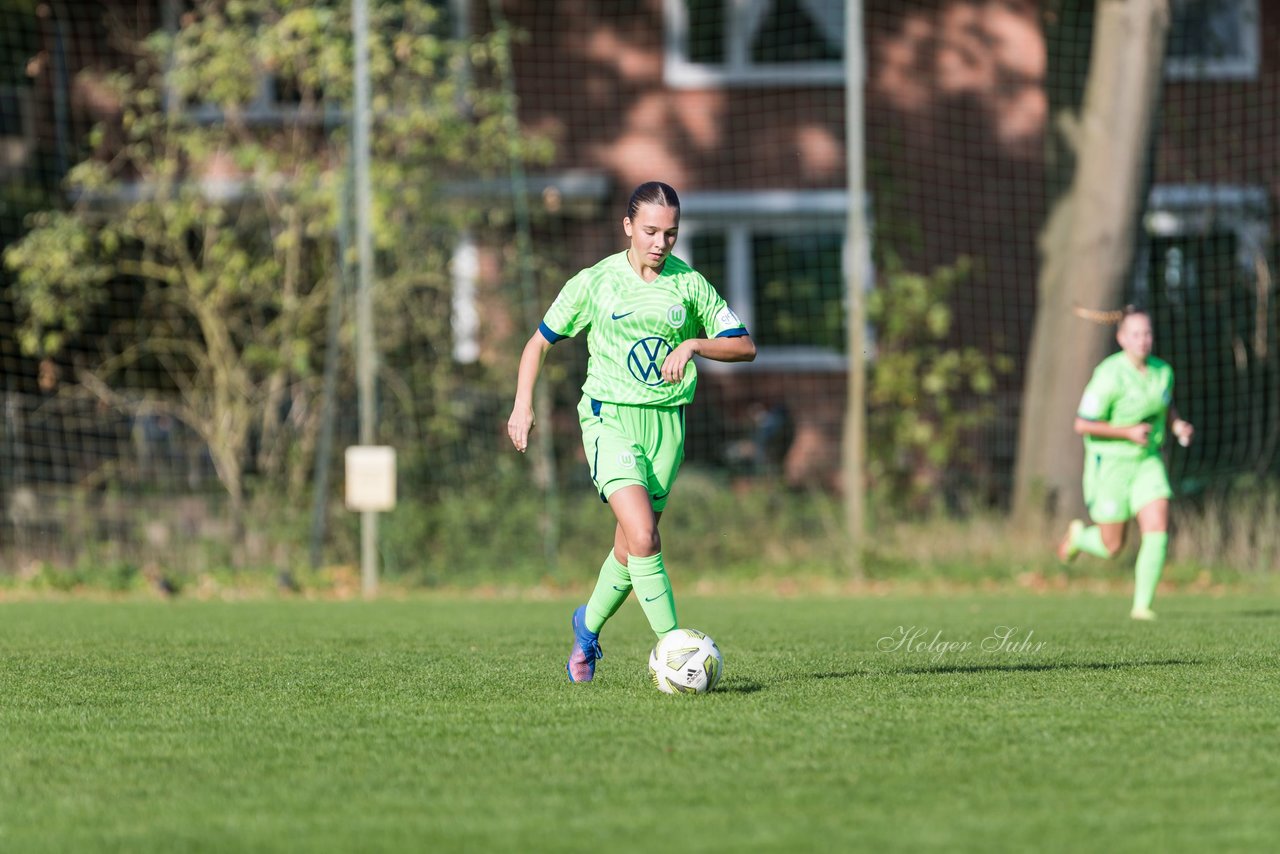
(620, 316)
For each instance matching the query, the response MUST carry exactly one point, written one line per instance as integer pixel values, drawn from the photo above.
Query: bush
(926, 398)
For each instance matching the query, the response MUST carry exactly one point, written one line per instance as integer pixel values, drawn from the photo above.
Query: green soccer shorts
(1116, 489)
(628, 445)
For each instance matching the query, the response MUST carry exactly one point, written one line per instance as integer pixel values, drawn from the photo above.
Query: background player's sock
(1146, 573)
(653, 589)
(612, 589)
(1089, 541)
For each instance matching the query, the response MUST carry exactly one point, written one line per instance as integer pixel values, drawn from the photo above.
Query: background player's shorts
(632, 445)
(1116, 489)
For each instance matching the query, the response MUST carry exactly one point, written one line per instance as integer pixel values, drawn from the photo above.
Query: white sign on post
(371, 478)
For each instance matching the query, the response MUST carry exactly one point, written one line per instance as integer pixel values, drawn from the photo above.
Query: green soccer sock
(1146, 574)
(1089, 541)
(653, 589)
(612, 589)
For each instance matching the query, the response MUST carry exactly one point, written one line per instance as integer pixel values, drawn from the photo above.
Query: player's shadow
(739, 686)
(748, 686)
(1030, 667)
(839, 674)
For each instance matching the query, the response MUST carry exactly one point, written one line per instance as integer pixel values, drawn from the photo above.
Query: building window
(754, 42)
(1212, 40)
(778, 258)
(1203, 273)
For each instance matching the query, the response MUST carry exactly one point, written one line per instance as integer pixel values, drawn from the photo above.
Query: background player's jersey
(1120, 395)
(633, 325)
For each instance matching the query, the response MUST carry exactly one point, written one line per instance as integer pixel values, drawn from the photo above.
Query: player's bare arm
(737, 349)
(1182, 429)
(1136, 433)
(521, 422)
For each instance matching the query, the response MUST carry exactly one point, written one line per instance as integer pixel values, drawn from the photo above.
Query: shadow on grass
(739, 686)
(751, 687)
(1262, 613)
(1027, 667)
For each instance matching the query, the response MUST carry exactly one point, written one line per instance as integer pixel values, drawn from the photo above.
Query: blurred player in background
(1122, 417)
(646, 314)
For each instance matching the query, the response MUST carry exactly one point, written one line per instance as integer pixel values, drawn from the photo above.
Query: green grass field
(439, 724)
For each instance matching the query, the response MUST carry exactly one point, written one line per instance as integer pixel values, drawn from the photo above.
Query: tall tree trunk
(1087, 249)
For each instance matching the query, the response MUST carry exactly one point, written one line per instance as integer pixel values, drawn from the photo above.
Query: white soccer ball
(685, 661)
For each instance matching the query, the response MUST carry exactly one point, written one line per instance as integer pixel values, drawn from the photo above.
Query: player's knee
(644, 543)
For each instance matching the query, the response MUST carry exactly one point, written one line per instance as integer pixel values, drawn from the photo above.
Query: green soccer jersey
(1121, 395)
(633, 325)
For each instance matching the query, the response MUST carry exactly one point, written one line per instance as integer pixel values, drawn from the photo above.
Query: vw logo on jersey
(627, 460)
(646, 358)
(676, 316)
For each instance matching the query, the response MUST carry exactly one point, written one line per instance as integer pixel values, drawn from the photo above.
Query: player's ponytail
(1108, 318)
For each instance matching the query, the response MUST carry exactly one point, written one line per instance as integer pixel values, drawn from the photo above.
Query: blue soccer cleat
(586, 649)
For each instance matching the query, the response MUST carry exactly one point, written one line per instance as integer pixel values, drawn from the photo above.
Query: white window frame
(738, 215)
(742, 21)
(1243, 66)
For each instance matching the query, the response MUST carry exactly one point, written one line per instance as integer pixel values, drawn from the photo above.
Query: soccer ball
(685, 662)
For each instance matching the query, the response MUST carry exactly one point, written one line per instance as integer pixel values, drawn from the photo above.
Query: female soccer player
(1122, 418)
(645, 313)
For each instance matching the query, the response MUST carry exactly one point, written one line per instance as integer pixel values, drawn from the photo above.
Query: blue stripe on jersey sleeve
(732, 333)
(552, 337)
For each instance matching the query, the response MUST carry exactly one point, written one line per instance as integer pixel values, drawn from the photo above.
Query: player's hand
(519, 426)
(673, 366)
(1139, 434)
(1183, 431)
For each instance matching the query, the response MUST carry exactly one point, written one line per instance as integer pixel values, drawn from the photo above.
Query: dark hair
(652, 193)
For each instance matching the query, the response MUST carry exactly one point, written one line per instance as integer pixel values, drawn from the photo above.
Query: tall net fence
(177, 210)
